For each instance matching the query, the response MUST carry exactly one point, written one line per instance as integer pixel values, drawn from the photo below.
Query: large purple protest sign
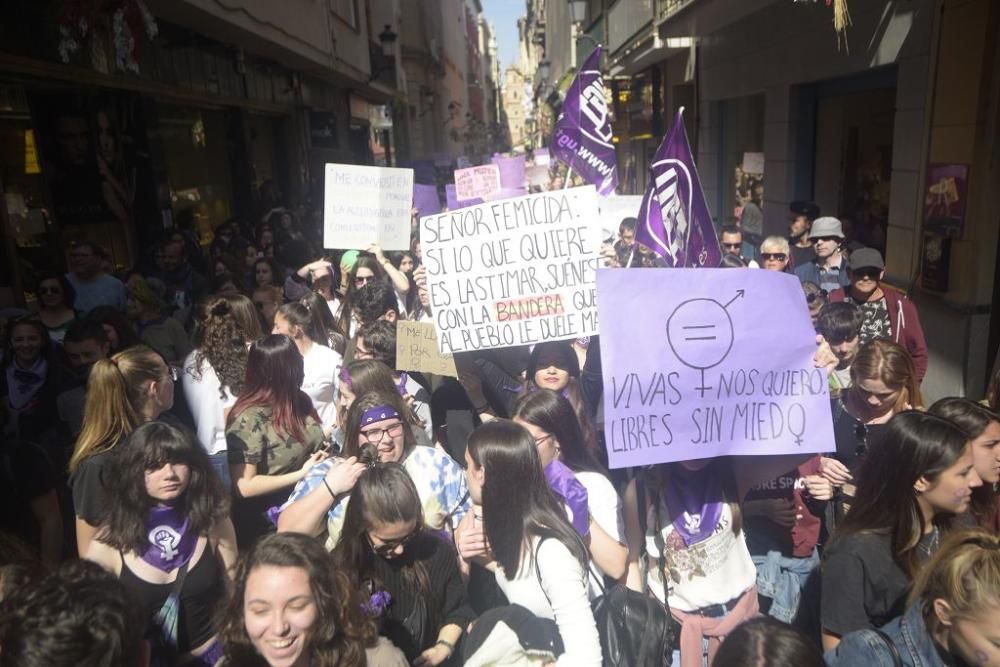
(583, 136)
(674, 221)
(511, 171)
(451, 194)
(708, 362)
(426, 199)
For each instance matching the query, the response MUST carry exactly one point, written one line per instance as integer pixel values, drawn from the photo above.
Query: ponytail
(116, 394)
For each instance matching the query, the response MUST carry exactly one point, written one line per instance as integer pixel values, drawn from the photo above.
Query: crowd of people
(300, 501)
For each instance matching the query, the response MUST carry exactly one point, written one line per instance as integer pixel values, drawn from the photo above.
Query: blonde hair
(116, 393)
(886, 361)
(965, 573)
(778, 243)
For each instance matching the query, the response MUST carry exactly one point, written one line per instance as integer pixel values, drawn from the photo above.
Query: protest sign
(426, 199)
(511, 170)
(708, 362)
(452, 199)
(513, 272)
(477, 182)
(417, 350)
(365, 205)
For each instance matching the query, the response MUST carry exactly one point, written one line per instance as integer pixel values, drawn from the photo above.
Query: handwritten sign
(417, 350)
(477, 182)
(514, 272)
(708, 362)
(365, 205)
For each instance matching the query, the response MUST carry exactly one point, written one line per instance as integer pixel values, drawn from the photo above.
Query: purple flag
(673, 220)
(582, 138)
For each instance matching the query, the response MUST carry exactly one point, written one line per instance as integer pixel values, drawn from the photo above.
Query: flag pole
(569, 177)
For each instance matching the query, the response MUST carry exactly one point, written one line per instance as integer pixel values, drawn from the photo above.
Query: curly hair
(231, 322)
(341, 630)
(150, 447)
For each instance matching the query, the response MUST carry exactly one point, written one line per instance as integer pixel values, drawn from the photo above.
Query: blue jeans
(782, 579)
(220, 462)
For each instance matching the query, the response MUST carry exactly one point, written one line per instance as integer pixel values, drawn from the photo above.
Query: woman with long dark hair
(131, 388)
(365, 269)
(553, 424)
(168, 537)
(953, 612)
(318, 502)
(214, 372)
(116, 326)
(321, 364)
(290, 607)
(537, 556)
(273, 434)
(268, 273)
(385, 548)
(982, 426)
(908, 488)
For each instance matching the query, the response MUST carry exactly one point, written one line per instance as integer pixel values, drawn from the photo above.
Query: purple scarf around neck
(171, 542)
(695, 499)
(564, 484)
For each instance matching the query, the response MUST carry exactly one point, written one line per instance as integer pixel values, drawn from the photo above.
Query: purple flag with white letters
(673, 220)
(582, 138)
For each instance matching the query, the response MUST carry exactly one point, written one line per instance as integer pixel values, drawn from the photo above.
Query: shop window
(742, 162)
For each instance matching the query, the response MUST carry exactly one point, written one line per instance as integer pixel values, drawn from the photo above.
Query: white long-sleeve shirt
(208, 408)
(322, 366)
(563, 598)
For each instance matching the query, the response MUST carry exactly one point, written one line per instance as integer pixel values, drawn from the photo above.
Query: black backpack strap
(897, 660)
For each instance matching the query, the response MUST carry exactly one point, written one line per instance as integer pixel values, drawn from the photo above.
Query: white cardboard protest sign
(514, 272)
(614, 210)
(480, 182)
(364, 205)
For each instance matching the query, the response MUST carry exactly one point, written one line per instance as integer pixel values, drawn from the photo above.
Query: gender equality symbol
(700, 333)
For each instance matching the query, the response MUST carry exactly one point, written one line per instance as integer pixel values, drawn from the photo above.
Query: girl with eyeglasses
(273, 434)
(365, 376)
(385, 549)
(55, 298)
(132, 387)
(982, 426)
(953, 616)
(168, 523)
(883, 383)
(365, 269)
(555, 428)
(290, 607)
(318, 503)
(909, 486)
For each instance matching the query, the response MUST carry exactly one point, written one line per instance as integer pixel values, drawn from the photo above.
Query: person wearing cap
(888, 313)
(828, 268)
(802, 214)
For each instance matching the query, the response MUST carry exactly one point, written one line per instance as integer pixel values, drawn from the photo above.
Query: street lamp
(577, 10)
(387, 38)
(543, 70)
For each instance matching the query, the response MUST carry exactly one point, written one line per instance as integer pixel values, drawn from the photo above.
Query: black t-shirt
(863, 587)
(854, 438)
(801, 256)
(26, 473)
(89, 485)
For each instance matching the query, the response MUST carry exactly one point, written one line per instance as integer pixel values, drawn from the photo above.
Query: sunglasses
(815, 296)
(866, 274)
(776, 256)
(861, 434)
(375, 435)
(50, 290)
(362, 281)
(732, 245)
(831, 239)
(387, 547)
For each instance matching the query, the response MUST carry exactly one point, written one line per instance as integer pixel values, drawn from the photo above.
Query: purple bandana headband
(378, 413)
(345, 377)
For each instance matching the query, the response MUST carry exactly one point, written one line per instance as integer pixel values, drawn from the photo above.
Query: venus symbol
(700, 333)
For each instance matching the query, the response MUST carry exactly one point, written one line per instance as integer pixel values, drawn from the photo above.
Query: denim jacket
(867, 648)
